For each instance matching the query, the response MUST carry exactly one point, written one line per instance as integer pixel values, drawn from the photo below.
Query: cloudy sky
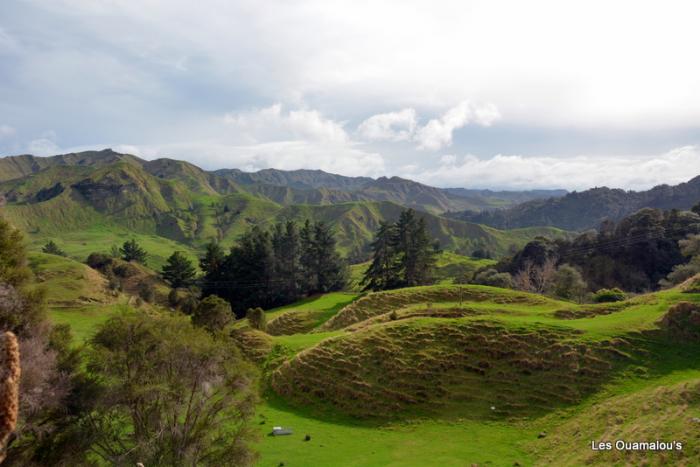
(492, 94)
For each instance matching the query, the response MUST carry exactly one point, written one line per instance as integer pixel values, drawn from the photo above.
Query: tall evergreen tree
(382, 273)
(131, 251)
(248, 271)
(178, 270)
(404, 255)
(330, 271)
(213, 258)
(287, 269)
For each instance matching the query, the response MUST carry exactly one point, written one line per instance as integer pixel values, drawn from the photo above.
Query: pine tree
(178, 270)
(425, 252)
(404, 244)
(53, 249)
(330, 269)
(382, 273)
(131, 251)
(213, 258)
(286, 246)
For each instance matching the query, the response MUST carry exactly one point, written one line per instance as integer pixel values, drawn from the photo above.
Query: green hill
(96, 198)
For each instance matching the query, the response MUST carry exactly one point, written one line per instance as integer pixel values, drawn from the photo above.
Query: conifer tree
(382, 272)
(131, 251)
(178, 270)
(53, 249)
(213, 258)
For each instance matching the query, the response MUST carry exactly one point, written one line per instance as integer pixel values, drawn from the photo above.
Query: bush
(609, 295)
(257, 318)
(125, 270)
(213, 313)
(493, 278)
(183, 379)
(53, 249)
(173, 298)
(147, 292)
(99, 261)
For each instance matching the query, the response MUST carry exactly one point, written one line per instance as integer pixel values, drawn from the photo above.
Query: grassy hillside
(498, 377)
(88, 207)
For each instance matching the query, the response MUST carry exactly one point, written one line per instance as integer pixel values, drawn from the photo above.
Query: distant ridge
(587, 209)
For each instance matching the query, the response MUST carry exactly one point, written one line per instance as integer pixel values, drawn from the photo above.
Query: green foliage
(213, 313)
(274, 268)
(131, 251)
(178, 271)
(568, 283)
(403, 254)
(609, 295)
(53, 249)
(493, 278)
(147, 292)
(13, 256)
(634, 254)
(257, 319)
(99, 260)
(170, 394)
(213, 259)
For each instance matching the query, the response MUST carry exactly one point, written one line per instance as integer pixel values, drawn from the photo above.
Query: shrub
(125, 270)
(213, 313)
(257, 318)
(53, 249)
(99, 261)
(493, 278)
(147, 292)
(609, 295)
(173, 298)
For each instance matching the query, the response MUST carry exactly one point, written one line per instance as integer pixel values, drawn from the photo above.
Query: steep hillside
(587, 209)
(302, 179)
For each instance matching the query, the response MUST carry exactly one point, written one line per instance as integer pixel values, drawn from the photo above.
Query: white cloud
(273, 123)
(45, 145)
(576, 173)
(437, 133)
(285, 155)
(6, 131)
(391, 126)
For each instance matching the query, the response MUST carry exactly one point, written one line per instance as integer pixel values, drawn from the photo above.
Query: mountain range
(586, 209)
(106, 195)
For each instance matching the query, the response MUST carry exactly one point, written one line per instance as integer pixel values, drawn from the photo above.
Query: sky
(476, 94)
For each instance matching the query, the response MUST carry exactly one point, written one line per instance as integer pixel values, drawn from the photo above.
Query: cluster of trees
(643, 251)
(156, 389)
(403, 254)
(275, 267)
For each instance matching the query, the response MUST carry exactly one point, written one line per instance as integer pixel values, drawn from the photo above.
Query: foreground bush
(170, 395)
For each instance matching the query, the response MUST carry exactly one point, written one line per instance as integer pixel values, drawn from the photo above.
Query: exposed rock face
(9, 388)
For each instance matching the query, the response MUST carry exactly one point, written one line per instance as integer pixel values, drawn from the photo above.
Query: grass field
(454, 375)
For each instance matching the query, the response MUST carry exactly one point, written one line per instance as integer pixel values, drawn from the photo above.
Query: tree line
(649, 249)
(268, 268)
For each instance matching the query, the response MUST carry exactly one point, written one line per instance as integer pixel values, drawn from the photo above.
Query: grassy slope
(464, 441)
(95, 207)
(459, 440)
